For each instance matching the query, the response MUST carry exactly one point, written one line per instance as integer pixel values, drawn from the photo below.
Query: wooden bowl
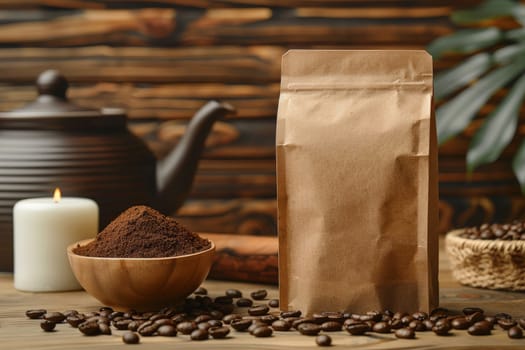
(144, 284)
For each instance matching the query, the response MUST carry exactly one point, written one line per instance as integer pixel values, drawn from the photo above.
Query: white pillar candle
(43, 228)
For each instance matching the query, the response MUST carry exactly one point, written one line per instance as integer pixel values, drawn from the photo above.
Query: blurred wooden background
(162, 59)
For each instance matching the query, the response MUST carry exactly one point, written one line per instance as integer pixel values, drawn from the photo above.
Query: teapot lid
(52, 101)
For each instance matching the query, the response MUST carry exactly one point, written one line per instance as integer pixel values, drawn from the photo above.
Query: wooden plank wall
(162, 59)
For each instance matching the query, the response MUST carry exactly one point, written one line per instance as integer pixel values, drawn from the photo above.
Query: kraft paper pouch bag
(357, 181)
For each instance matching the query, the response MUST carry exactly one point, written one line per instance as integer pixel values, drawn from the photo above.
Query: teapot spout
(175, 173)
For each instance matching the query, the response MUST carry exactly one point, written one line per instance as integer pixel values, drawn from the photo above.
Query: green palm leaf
(518, 165)
(517, 34)
(519, 14)
(497, 130)
(456, 114)
(509, 53)
(487, 10)
(449, 81)
(465, 41)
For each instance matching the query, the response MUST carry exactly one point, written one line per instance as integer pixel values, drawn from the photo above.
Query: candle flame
(57, 195)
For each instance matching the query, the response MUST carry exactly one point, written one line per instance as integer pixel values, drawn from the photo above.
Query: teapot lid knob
(51, 82)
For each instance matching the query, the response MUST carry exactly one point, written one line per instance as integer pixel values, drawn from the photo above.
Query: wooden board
(18, 332)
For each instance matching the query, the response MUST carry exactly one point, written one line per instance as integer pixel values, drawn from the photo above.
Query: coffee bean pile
(504, 232)
(202, 317)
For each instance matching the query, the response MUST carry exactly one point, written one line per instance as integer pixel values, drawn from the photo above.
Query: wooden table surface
(18, 332)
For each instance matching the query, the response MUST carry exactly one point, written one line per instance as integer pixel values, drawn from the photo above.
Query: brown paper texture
(357, 181)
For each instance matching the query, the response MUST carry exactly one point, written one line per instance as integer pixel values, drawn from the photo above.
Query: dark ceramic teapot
(90, 153)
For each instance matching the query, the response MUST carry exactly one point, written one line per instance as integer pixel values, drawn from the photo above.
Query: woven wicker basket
(487, 263)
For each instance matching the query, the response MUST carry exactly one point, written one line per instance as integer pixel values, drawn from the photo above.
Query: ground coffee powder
(142, 232)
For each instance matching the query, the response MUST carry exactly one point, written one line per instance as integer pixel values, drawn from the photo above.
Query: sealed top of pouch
(373, 68)
(357, 181)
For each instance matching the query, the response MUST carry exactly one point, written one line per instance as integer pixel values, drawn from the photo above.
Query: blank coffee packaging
(357, 181)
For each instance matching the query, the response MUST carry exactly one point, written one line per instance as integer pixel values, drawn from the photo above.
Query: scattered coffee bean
(240, 324)
(215, 323)
(258, 310)
(201, 291)
(302, 320)
(515, 332)
(491, 320)
(417, 326)
(281, 325)
(148, 328)
(230, 317)
(399, 315)
(442, 327)
(97, 319)
(309, 328)
(441, 311)
(475, 317)
(104, 328)
(91, 314)
(233, 293)
(331, 326)
(506, 324)
(224, 308)
(358, 328)
(470, 310)
(420, 315)
(56, 317)
(244, 302)
(202, 318)
(323, 340)
(223, 299)
(397, 324)
(480, 328)
(320, 318)
(216, 314)
(407, 319)
(130, 337)
(292, 313)
(428, 324)
(121, 324)
(262, 332)
(204, 325)
(405, 333)
(162, 322)
(115, 314)
(503, 316)
(157, 317)
(255, 324)
(186, 327)
(273, 303)
(68, 313)
(460, 323)
(269, 319)
(167, 331)
(381, 327)
(35, 313)
(199, 334)
(219, 332)
(178, 318)
(75, 320)
(259, 294)
(338, 316)
(89, 328)
(47, 326)
(292, 320)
